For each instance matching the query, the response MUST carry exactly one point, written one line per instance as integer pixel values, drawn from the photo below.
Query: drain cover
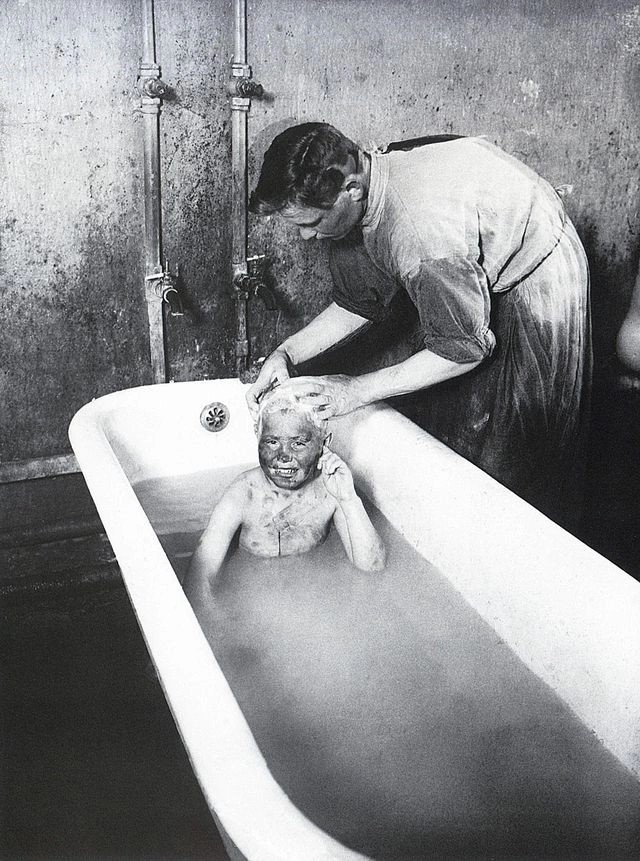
(214, 417)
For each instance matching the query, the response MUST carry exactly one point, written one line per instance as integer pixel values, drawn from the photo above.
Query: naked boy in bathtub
(287, 504)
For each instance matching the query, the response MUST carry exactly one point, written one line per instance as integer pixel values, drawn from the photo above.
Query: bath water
(391, 714)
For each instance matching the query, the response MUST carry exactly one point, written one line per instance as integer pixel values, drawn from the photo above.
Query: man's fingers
(304, 386)
(252, 402)
(316, 402)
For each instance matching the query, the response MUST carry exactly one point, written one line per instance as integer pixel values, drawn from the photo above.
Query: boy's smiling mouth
(285, 471)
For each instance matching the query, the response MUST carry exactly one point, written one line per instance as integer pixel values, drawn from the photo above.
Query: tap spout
(267, 295)
(163, 286)
(251, 282)
(171, 296)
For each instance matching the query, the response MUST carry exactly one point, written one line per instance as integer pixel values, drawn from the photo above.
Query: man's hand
(331, 395)
(336, 476)
(274, 371)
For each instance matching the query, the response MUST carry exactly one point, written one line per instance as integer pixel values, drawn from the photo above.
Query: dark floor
(93, 766)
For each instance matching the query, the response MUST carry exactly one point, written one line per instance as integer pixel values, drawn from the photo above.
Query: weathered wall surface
(554, 83)
(193, 46)
(71, 210)
(70, 217)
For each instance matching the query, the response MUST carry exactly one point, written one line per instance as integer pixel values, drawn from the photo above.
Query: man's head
(316, 178)
(290, 440)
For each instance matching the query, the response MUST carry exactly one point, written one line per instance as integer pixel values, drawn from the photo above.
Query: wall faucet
(252, 282)
(164, 286)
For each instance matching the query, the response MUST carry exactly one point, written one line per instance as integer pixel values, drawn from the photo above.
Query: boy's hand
(336, 476)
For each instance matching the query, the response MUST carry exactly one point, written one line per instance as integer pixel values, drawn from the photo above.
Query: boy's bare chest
(277, 526)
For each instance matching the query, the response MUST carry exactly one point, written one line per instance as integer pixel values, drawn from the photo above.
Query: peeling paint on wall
(630, 21)
(530, 90)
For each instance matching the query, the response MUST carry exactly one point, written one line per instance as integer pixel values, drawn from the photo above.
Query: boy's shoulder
(241, 483)
(248, 478)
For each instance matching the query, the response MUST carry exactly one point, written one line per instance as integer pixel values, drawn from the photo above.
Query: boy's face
(289, 448)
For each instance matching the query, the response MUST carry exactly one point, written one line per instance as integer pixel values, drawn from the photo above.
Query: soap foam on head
(278, 401)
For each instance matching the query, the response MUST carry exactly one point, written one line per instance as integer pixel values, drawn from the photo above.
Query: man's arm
(331, 326)
(419, 371)
(212, 548)
(338, 394)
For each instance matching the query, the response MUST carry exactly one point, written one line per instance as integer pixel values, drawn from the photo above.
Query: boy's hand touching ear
(336, 476)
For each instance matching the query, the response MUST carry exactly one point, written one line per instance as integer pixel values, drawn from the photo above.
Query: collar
(377, 187)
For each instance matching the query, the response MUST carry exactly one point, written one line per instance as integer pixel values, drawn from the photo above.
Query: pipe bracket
(240, 70)
(240, 104)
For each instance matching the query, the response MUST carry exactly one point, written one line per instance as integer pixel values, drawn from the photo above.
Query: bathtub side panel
(568, 613)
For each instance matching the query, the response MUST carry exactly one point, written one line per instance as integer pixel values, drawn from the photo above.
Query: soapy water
(391, 714)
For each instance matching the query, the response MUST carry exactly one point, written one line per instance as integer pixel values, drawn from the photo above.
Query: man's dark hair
(301, 167)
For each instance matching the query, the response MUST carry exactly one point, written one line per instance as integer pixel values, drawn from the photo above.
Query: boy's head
(290, 440)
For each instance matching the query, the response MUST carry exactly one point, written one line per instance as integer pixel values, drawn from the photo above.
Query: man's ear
(327, 439)
(354, 188)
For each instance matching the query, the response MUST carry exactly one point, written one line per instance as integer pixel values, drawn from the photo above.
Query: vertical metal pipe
(239, 109)
(239, 189)
(152, 207)
(240, 31)
(148, 33)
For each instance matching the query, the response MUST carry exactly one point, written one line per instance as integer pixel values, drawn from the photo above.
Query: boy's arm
(362, 543)
(213, 546)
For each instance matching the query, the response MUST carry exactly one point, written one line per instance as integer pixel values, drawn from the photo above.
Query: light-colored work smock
(484, 249)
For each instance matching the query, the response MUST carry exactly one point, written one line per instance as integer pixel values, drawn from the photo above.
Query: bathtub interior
(156, 430)
(120, 441)
(554, 601)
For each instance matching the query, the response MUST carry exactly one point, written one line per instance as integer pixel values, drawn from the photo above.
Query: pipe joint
(247, 88)
(242, 87)
(151, 87)
(240, 70)
(154, 88)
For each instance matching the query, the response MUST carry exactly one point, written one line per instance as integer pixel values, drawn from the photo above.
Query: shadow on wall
(611, 516)
(612, 280)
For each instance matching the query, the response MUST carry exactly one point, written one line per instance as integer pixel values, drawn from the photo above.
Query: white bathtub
(571, 616)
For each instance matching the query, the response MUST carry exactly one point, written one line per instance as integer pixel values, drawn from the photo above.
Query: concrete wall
(70, 217)
(554, 83)
(72, 208)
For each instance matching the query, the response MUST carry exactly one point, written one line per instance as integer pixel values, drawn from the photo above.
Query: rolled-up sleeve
(454, 306)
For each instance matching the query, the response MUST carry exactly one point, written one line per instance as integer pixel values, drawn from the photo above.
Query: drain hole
(214, 417)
